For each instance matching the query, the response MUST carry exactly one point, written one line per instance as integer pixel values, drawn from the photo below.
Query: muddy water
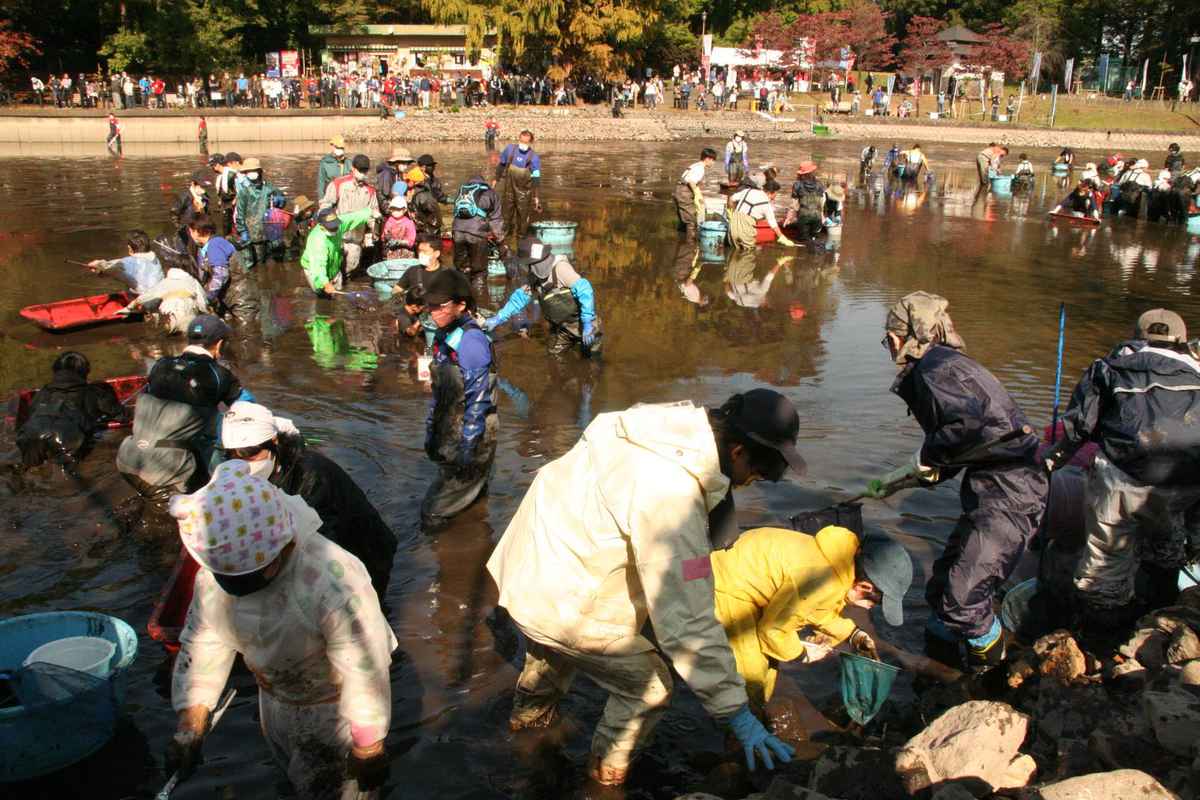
(677, 326)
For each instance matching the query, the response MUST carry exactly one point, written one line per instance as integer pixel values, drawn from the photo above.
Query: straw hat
(301, 204)
(836, 192)
(399, 154)
(251, 164)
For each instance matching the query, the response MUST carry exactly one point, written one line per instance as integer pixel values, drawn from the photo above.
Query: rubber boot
(981, 660)
(943, 650)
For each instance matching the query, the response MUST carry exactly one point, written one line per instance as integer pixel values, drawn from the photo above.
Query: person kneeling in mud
(565, 297)
(66, 412)
(773, 583)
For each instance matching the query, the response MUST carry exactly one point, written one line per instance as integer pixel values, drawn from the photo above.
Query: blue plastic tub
(712, 239)
(36, 741)
(1061, 169)
(496, 267)
(1193, 224)
(555, 232)
(392, 270)
(1002, 184)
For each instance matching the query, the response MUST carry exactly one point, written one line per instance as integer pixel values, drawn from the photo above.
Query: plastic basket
(866, 685)
(1002, 184)
(63, 715)
(555, 232)
(1193, 224)
(277, 221)
(89, 654)
(392, 270)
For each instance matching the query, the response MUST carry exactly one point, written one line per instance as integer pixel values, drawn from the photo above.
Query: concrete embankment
(581, 124)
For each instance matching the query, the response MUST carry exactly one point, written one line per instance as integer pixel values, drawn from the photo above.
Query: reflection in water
(680, 322)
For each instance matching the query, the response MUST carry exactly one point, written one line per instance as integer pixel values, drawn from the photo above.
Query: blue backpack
(467, 204)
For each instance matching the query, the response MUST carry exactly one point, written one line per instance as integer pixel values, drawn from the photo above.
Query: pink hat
(235, 525)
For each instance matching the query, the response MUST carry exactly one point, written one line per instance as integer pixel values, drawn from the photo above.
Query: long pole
(1062, 330)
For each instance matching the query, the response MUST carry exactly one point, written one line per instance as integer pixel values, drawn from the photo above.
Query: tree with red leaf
(1001, 52)
(14, 46)
(863, 29)
(923, 52)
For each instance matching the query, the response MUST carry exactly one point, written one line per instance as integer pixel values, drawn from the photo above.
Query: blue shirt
(513, 156)
(141, 271)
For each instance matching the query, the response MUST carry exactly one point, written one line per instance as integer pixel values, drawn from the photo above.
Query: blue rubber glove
(755, 739)
(490, 324)
(589, 334)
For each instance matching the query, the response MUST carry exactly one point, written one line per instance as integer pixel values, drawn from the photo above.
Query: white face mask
(523, 147)
(361, 177)
(262, 468)
(339, 152)
(253, 175)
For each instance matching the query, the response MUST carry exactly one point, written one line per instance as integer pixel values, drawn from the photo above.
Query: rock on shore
(596, 124)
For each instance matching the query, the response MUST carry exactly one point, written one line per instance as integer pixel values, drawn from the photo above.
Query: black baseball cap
(767, 418)
(215, 159)
(327, 218)
(447, 285)
(207, 330)
(426, 160)
(202, 177)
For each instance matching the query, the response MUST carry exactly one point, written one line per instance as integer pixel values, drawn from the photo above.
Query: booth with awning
(384, 49)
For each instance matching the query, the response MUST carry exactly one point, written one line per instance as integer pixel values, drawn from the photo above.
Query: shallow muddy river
(807, 322)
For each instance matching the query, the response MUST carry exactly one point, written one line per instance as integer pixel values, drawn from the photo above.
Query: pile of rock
(1052, 723)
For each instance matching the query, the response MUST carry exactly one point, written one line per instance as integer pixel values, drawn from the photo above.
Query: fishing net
(41, 684)
(866, 684)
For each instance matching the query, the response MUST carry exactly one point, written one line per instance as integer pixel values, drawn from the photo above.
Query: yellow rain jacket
(615, 532)
(772, 583)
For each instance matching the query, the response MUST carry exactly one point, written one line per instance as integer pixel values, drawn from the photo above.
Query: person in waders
(961, 406)
(229, 285)
(987, 163)
(565, 297)
(461, 429)
(737, 158)
(747, 206)
(478, 222)
(275, 451)
(689, 199)
(256, 197)
(613, 540)
(808, 202)
(66, 412)
(519, 177)
(175, 420)
(202, 135)
(114, 134)
(301, 612)
(1142, 501)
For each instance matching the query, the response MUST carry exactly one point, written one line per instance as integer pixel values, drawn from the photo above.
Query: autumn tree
(859, 28)
(923, 52)
(1001, 52)
(15, 46)
(592, 36)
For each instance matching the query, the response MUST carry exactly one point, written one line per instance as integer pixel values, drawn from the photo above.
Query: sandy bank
(580, 124)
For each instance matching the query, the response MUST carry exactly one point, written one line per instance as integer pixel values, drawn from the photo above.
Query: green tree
(593, 36)
(126, 49)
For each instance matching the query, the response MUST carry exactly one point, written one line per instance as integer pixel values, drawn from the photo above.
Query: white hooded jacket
(615, 532)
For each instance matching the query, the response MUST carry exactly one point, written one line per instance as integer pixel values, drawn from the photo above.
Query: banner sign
(290, 63)
(272, 60)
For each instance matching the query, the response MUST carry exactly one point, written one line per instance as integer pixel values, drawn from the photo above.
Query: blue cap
(207, 330)
(888, 566)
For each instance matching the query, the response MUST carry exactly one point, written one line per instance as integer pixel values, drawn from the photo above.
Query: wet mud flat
(680, 323)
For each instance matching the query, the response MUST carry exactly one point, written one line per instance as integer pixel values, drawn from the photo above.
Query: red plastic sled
(170, 612)
(1071, 219)
(79, 312)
